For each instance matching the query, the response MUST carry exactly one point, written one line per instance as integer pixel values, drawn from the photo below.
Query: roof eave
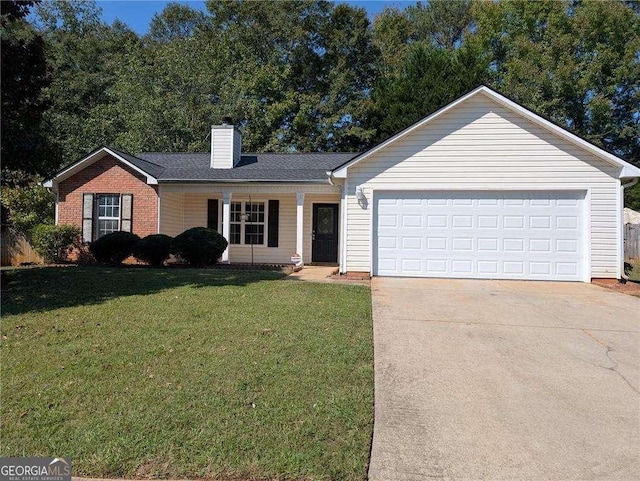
(341, 171)
(627, 169)
(243, 181)
(92, 157)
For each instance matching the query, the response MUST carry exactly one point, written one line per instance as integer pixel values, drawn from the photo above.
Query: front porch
(264, 224)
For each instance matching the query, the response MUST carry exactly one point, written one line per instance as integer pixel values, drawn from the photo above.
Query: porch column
(300, 226)
(226, 223)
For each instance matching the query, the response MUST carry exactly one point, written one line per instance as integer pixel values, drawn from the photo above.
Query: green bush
(113, 248)
(199, 246)
(53, 242)
(153, 249)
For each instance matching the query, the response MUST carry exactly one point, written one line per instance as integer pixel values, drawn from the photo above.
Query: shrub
(153, 249)
(85, 257)
(53, 242)
(199, 246)
(113, 248)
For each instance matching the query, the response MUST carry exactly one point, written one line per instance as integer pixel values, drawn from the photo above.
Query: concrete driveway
(505, 380)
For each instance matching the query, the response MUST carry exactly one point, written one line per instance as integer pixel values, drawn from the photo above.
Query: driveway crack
(613, 368)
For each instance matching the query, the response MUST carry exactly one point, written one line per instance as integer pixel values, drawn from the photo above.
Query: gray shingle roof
(150, 168)
(256, 167)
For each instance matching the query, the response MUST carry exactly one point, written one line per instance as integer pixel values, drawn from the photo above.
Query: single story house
(482, 188)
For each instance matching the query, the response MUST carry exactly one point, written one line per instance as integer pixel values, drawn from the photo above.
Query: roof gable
(626, 169)
(149, 170)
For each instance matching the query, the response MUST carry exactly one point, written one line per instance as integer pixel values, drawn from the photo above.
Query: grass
(178, 373)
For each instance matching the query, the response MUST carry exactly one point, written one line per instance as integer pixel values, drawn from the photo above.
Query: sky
(138, 13)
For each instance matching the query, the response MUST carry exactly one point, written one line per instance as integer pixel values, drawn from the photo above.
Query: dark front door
(324, 245)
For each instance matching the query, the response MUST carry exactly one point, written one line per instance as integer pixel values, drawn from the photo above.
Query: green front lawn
(186, 373)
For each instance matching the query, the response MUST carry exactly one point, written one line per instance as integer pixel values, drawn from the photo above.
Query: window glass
(255, 211)
(108, 214)
(254, 234)
(254, 223)
(235, 233)
(247, 223)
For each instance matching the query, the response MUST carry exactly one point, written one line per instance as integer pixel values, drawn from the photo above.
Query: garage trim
(586, 212)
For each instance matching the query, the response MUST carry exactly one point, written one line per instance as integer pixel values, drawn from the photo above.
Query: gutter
(241, 181)
(625, 186)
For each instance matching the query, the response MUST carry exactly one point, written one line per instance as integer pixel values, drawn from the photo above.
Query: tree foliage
(431, 62)
(305, 75)
(85, 57)
(24, 147)
(27, 206)
(575, 62)
(429, 79)
(444, 23)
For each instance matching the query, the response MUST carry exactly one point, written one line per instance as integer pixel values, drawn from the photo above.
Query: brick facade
(109, 176)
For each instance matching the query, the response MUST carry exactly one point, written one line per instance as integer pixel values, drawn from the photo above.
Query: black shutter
(274, 220)
(126, 212)
(212, 214)
(87, 217)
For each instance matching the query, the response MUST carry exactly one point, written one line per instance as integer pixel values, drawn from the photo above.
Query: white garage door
(486, 235)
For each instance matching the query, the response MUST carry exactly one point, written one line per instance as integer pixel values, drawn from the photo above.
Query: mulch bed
(629, 287)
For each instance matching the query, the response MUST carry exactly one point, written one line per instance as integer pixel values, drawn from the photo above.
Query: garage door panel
(510, 235)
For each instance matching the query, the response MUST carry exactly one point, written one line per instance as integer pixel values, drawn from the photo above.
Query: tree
(86, 57)
(430, 78)
(428, 61)
(27, 206)
(175, 22)
(25, 74)
(392, 34)
(443, 22)
(575, 62)
(632, 198)
(300, 72)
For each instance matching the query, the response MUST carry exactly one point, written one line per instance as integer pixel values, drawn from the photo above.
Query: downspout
(330, 176)
(52, 188)
(625, 186)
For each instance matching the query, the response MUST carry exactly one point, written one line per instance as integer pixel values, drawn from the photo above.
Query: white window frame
(233, 222)
(244, 213)
(99, 217)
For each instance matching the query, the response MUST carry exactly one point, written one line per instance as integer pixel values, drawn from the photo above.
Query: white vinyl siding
(222, 148)
(181, 211)
(195, 215)
(480, 146)
(171, 213)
